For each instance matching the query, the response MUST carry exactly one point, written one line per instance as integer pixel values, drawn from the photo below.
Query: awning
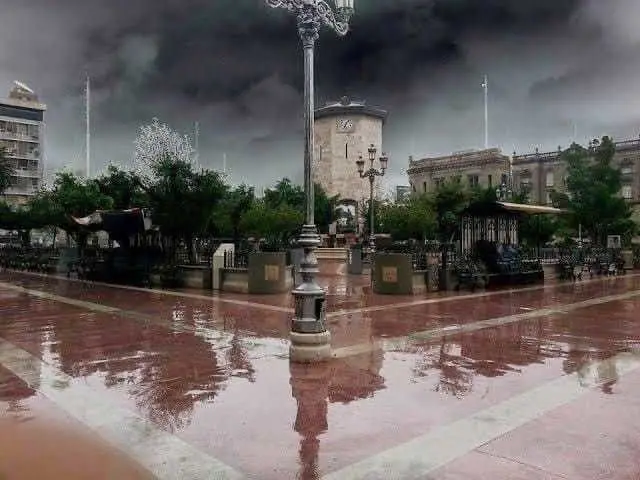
(531, 209)
(488, 209)
(116, 222)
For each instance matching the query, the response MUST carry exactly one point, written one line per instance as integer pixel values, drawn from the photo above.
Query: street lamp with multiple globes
(310, 340)
(371, 174)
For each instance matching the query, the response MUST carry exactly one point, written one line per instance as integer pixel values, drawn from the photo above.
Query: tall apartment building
(22, 135)
(479, 168)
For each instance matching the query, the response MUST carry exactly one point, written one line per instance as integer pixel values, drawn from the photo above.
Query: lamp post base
(310, 340)
(310, 347)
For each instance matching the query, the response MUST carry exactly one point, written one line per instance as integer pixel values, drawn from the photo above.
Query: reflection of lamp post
(310, 340)
(371, 174)
(310, 388)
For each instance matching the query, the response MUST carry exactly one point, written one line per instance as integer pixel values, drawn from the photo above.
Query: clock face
(344, 125)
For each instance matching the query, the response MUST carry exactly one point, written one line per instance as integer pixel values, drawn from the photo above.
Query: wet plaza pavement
(112, 382)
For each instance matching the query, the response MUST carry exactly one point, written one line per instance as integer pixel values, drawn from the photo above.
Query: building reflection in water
(315, 386)
(166, 372)
(495, 352)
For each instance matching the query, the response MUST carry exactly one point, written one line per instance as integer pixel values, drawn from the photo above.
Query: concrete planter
(235, 280)
(195, 276)
(393, 274)
(155, 280)
(269, 273)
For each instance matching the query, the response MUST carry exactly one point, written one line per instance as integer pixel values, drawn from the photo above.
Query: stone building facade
(541, 173)
(343, 132)
(22, 136)
(481, 168)
(536, 173)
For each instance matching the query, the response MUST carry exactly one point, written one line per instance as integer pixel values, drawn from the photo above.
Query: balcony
(27, 191)
(23, 155)
(26, 173)
(4, 135)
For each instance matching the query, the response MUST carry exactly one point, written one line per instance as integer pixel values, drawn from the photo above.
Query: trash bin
(354, 261)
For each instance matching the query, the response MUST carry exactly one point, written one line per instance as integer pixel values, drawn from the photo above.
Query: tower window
(346, 150)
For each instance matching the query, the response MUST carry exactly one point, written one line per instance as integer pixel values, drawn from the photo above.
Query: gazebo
(496, 222)
(489, 244)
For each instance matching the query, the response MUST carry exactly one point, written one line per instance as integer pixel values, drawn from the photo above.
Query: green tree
(184, 202)
(77, 197)
(73, 196)
(593, 192)
(123, 187)
(414, 219)
(285, 192)
(6, 171)
(378, 208)
(276, 225)
(325, 208)
(535, 230)
(449, 201)
(236, 203)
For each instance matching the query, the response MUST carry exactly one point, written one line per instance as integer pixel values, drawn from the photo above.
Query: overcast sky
(557, 68)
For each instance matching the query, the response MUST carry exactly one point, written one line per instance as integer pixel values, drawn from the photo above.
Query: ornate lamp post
(504, 192)
(371, 174)
(310, 340)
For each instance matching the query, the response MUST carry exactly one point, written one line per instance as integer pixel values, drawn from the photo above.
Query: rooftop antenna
(22, 86)
(88, 127)
(485, 87)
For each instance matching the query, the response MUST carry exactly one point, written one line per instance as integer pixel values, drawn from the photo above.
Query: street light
(310, 340)
(371, 174)
(504, 192)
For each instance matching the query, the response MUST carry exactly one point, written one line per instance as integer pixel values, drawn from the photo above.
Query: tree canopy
(593, 195)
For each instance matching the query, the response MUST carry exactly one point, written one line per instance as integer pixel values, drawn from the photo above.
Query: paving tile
(217, 376)
(595, 437)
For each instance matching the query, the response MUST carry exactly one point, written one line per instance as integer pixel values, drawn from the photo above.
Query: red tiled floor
(595, 437)
(38, 441)
(481, 466)
(233, 394)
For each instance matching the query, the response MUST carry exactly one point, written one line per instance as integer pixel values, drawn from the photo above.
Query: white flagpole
(88, 127)
(196, 135)
(485, 86)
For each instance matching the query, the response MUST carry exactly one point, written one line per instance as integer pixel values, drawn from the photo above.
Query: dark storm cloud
(235, 66)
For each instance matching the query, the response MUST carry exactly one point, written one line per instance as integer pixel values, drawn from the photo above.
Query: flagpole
(485, 86)
(87, 114)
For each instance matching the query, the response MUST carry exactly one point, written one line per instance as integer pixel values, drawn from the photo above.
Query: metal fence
(237, 259)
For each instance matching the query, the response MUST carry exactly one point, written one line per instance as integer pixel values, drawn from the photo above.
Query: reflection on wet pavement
(211, 382)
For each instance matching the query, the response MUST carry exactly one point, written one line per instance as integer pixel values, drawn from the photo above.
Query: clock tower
(343, 132)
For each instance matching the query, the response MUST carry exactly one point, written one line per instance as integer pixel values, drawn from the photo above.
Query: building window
(438, 182)
(413, 188)
(504, 179)
(549, 199)
(424, 187)
(627, 192)
(490, 180)
(549, 182)
(627, 169)
(473, 180)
